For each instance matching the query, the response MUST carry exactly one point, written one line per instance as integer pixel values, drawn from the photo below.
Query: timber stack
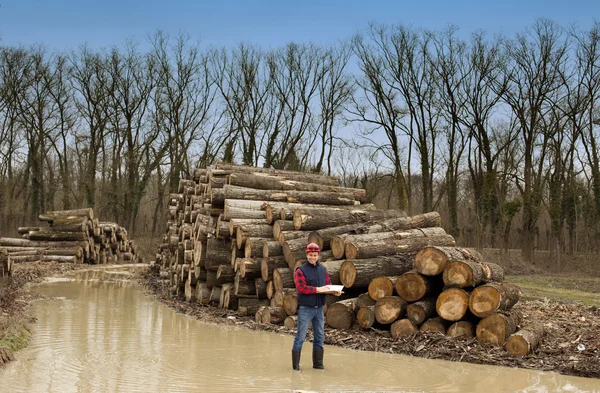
(73, 236)
(236, 233)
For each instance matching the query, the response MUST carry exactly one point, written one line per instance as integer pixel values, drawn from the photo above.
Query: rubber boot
(318, 359)
(296, 360)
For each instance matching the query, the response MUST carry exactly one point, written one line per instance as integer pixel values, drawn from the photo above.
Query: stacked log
(73, 236)
(241, 231)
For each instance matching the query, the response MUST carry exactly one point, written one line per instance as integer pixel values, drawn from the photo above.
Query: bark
(254, 247)
(437, 324)
(246, 231)
(497, 328)
(268, 265)
(272, 249)
(291, 322)
(524, 341)
(57, 236)
(249, 267)
(364, 300)
(281, 225)
(248, 306)
(358, 273)
(283, 278)
(235, 223)
(202, 293)
(314, 197)
(294, 249)
(362, 250)
(310, 219)
(333, 269)
(290, 302)
(290, 175)
(274, 315)
(218, 253)
(422, 310)
(230, 212)
(261, 288)
(365, 316)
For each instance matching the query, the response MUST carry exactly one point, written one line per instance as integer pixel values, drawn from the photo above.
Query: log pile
(73, 236)
(236, 234)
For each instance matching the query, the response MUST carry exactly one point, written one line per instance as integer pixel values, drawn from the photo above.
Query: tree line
(497, 133)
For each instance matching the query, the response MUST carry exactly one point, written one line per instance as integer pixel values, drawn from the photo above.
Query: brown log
(270, 289)
(200, 247)
(200, 273)
(285, 236)
(497, 328)
(365, 316)
(268, 265)
(289, 175)
(294, 249)
(52, 215)
(283, 278)
(333, 270)
(244, 288)
(218, 252)
(311, 219)
(249, 306)
(215, 296)
(253, 247)
(273, 315)
(364, 300)
(25, 230)
(317, 197)
(422, 310)
(359, 273)
(290, 302)
(493, 297)
(381, 286)
(279, 295)
(403, 327)
(463, 274)
(246, 231)
(280, 226)
(432, 260)
(389, 308)
(291, 322)
(225, 274)
(232, 212)
(323, 237)
(461, 329)
(524, 341)
(250, 267)
(235, 254)
(413, 286)
(362, 250)
(340, 315)
(437, 324)
(452, 304)
(202, 293)
(57, 236)
(190, 292)
(235, 223)
(263, 182)
(222, 230)
(261, 288)
(272, 249)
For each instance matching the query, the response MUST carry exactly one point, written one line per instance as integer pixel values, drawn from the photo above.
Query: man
(311, 280)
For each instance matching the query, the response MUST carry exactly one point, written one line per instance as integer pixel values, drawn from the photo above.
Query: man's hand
(322, 289)
(338, 293)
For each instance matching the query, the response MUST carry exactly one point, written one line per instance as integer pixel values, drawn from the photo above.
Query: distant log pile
(237, 233)
(73, 236)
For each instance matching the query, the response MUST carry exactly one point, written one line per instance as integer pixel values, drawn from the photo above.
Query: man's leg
(318, 324)
(304, 318)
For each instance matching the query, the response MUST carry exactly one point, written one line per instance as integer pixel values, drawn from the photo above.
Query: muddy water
(99, 333)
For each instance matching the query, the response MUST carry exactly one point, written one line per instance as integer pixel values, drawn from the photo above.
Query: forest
(499, 134)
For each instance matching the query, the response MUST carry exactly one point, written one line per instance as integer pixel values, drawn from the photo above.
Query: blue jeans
(306, 315)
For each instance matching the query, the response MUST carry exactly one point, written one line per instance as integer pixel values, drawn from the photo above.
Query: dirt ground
(567, 322)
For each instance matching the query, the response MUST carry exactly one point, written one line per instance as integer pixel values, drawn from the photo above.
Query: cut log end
(347, 274)
(430, 261)
(411, 286)
(452, 304)
(403, 327)
(458, 273)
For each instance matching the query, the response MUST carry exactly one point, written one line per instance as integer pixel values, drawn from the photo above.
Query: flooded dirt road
(100, 333)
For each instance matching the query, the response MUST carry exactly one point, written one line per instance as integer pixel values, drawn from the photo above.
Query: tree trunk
(202, 293)
(273, 315)
(358, 273)
(215, 296)
(497, 328)
(362, 250)
(225, 273)
(462, 274)
(218, 252)
(340, 315)
(288, 175)
(58, 236)
(290, 302)
(525, 340)
(291, 322)
(249, 267)
(254, 247)
(452, 304)
(403, 327)
(413, 286)
(313, 197)
(252, 230)
(281, 225)
(432, 260)
(235, 223)
(249, 306)
(333, 269)
(390, 308)
(285, 236)
(491, 298)
(244, 288)
(322, 237)
(365, 316)
(422, 310)
(272, 249)
(310, 219)
(261, 288)
(294, 249)
(381, 286)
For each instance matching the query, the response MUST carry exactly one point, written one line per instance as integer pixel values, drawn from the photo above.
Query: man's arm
(301, 285)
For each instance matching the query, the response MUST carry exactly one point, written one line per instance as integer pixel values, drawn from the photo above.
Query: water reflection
(106, 336)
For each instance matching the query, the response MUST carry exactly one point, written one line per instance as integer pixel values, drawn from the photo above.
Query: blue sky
(64, 24)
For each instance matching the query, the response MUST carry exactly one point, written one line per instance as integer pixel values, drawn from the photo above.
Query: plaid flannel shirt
(304, 288)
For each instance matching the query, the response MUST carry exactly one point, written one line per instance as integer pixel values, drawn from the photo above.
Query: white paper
(335, 288)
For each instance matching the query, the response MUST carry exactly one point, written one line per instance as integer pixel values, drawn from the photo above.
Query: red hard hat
(312, 247)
